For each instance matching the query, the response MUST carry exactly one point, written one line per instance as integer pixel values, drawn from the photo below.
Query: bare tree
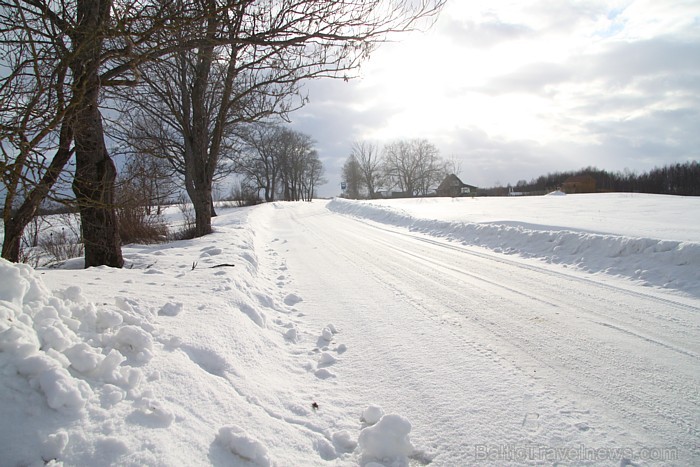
(33, 105)
(413, 166)
(370, 162)
(277, 159)
(453, 166)
(96, 45)
(401, 167)
(431, 168)
(142, 187)
(65, 53)
(352, 175)
(259, 160)
(247, 64)
(299, 164)
(313, 176)
(153, 178)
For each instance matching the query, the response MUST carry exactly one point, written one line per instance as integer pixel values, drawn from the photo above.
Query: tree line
(673, 179)
(410, 167)
(280, 162)
(179, 80)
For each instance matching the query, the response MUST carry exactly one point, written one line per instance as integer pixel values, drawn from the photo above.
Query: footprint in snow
(171, 309)
(328, 332)
(326, 337)
(323, 373)
(292, 335)
(292, 299)
(326, 359)
(211, 252)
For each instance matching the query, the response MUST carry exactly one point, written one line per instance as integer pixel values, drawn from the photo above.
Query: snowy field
(492, 331)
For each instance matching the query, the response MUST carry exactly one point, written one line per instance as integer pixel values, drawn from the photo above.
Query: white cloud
(518, 88)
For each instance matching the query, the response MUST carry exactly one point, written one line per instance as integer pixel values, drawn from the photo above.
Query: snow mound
(387, 442)
(292, 335)
(171, 309)
(324, 373)
(344, 441)
(372, 414)
(240, 443)
(35, 328)
(54, 445)
(134, 341)
(292, 299)
(57, 348)
(328, 332)
(326, 359)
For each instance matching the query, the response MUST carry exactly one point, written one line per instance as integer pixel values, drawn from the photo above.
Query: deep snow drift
(182, 359)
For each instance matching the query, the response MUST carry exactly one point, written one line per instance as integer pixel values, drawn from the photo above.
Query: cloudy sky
(516, 89)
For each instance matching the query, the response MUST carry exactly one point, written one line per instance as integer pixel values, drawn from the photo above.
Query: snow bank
(58, 354)
(163, 363)
(36, 331)
(654, 262)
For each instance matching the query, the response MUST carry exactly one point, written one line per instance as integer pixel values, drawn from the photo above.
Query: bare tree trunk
(93, 186)
(95, 172)
(202, 205)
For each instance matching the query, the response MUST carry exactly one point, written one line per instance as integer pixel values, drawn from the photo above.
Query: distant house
(579, 184)
(453, 186)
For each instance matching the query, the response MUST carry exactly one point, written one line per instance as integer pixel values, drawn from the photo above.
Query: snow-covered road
(492, 357)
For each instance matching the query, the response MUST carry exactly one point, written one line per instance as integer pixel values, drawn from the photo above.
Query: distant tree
(259, 160)
(431, 167)
(674, 179)
(300, 168)
(369, 159)
(280, 161)
(313, 176)
(413, 166)
(453, 166)
(153, 178)
(143, 186)
(353, 177)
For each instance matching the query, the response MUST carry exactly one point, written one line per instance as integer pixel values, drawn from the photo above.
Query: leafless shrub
(61, 245)
(138, 222)
(243, 193)
(187, 229)
(137, 226)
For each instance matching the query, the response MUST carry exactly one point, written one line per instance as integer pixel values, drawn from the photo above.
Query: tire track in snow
(537, 319)
(553, 303)
(626, 365)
